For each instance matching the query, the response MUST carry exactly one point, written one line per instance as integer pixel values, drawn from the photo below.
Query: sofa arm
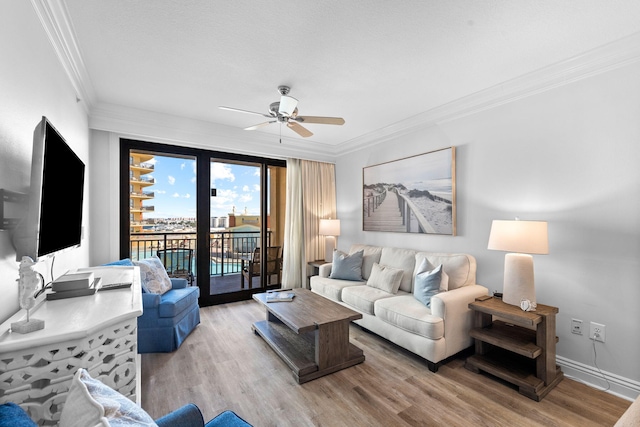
(324, 270)
(453, 307)
(150, 300)
(178, 283)
(186, 416)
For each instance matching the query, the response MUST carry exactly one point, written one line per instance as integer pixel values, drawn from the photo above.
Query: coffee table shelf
(310, 334)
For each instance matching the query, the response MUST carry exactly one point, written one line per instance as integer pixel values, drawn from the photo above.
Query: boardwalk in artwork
(386, 217)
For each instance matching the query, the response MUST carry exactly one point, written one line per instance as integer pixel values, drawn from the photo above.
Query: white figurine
(27, 285)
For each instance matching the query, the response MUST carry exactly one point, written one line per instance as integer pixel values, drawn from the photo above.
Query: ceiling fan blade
(303, 132)
(287, 105)
(320, 120)
(254, 127)
(245, 111)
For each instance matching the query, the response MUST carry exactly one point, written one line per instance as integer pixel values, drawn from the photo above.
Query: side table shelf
(519, 349)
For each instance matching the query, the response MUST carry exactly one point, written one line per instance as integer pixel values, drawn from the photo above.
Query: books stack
(72, 285)
(277, 296)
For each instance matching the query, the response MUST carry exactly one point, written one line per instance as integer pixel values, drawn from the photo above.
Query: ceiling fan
(286, 111)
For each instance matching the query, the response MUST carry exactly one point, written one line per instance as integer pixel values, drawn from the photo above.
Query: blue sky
(175, 188)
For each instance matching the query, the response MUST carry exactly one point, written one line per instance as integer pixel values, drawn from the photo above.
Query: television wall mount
(10, 197)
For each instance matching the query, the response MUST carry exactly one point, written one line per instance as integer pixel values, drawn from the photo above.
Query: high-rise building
(139, 166)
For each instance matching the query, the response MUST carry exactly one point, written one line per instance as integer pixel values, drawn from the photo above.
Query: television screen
(54, 219)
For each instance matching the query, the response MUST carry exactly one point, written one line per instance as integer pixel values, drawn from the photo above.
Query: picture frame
(414, 194)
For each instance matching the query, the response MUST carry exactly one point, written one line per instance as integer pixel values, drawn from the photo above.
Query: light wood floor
(224, 365)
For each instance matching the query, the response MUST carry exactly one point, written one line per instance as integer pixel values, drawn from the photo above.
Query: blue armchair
(169, 318)
(190, 416)
(12, 415)
(166, 319)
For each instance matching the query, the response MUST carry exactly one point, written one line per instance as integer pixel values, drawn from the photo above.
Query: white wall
(569, 156)
(32, 84)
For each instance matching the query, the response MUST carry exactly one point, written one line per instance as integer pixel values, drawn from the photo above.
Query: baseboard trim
(619, 386)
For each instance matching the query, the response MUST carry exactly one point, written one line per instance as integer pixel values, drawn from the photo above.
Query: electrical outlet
(597, 332)
(576, 326)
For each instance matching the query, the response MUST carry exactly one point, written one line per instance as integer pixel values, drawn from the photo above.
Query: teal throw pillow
(429, 283)
(347, 267)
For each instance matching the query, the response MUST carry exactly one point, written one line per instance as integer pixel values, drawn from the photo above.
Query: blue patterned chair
(166, 319)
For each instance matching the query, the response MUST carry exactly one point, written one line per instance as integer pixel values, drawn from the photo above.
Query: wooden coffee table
(310, 333)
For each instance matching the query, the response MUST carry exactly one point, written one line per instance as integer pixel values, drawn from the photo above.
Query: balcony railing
(225, 251)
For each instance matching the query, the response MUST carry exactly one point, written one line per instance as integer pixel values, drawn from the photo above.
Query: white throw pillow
(90, 403)
(385, 278)
(153, 275)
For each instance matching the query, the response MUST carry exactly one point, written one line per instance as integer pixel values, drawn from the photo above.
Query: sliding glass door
(214, 218)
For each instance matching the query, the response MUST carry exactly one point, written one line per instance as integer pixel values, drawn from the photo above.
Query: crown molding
(605, 58)
(55, 21)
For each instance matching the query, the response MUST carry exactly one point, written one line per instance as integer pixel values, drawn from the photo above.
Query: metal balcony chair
(251, 267)
(178, 263)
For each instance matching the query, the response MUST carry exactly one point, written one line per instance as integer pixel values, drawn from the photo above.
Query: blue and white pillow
(429, 281)
(92, 403)
(153, 275)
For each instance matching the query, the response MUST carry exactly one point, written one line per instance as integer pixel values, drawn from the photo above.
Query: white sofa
(434, 333)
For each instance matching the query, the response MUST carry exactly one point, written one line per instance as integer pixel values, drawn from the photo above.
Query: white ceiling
(375, 63)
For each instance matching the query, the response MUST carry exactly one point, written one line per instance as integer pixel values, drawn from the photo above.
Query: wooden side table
(519, 348)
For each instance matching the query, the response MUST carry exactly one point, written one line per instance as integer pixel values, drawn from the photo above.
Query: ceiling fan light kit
(286, 111)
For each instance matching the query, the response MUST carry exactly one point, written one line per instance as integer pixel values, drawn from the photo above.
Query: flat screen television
(54, 218)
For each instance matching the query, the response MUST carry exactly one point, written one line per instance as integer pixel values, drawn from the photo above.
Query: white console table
(96, 332)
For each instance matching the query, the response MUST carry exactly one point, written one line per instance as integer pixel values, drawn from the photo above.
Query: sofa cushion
(461, 268)
(400, 258)
(153, 275)
(429, 282)
(371, 255)
(409, 314)
(346, 266)
(363, 297)
(92, 403)
(385, 278)
(331, 288)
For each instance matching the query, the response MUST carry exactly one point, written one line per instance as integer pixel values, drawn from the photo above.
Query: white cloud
(171, 179)
(256, 187)
(245, 188)
(187, 196)
(176, 195)
(221, 171)
(245, 198)
(182, 166)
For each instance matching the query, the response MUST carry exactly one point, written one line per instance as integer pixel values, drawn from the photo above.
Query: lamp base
(518, 279)
(330, 246)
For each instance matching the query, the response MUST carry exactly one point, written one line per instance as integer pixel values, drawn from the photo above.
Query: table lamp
(331, 229)
(522, 238)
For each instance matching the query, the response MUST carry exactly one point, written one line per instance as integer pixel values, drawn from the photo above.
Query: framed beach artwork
(412, 195)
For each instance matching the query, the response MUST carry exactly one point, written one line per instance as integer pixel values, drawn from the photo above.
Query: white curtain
(311, 195)
(293, 263)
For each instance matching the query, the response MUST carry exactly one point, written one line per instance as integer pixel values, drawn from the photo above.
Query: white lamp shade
(329, 227)
(525, 237)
